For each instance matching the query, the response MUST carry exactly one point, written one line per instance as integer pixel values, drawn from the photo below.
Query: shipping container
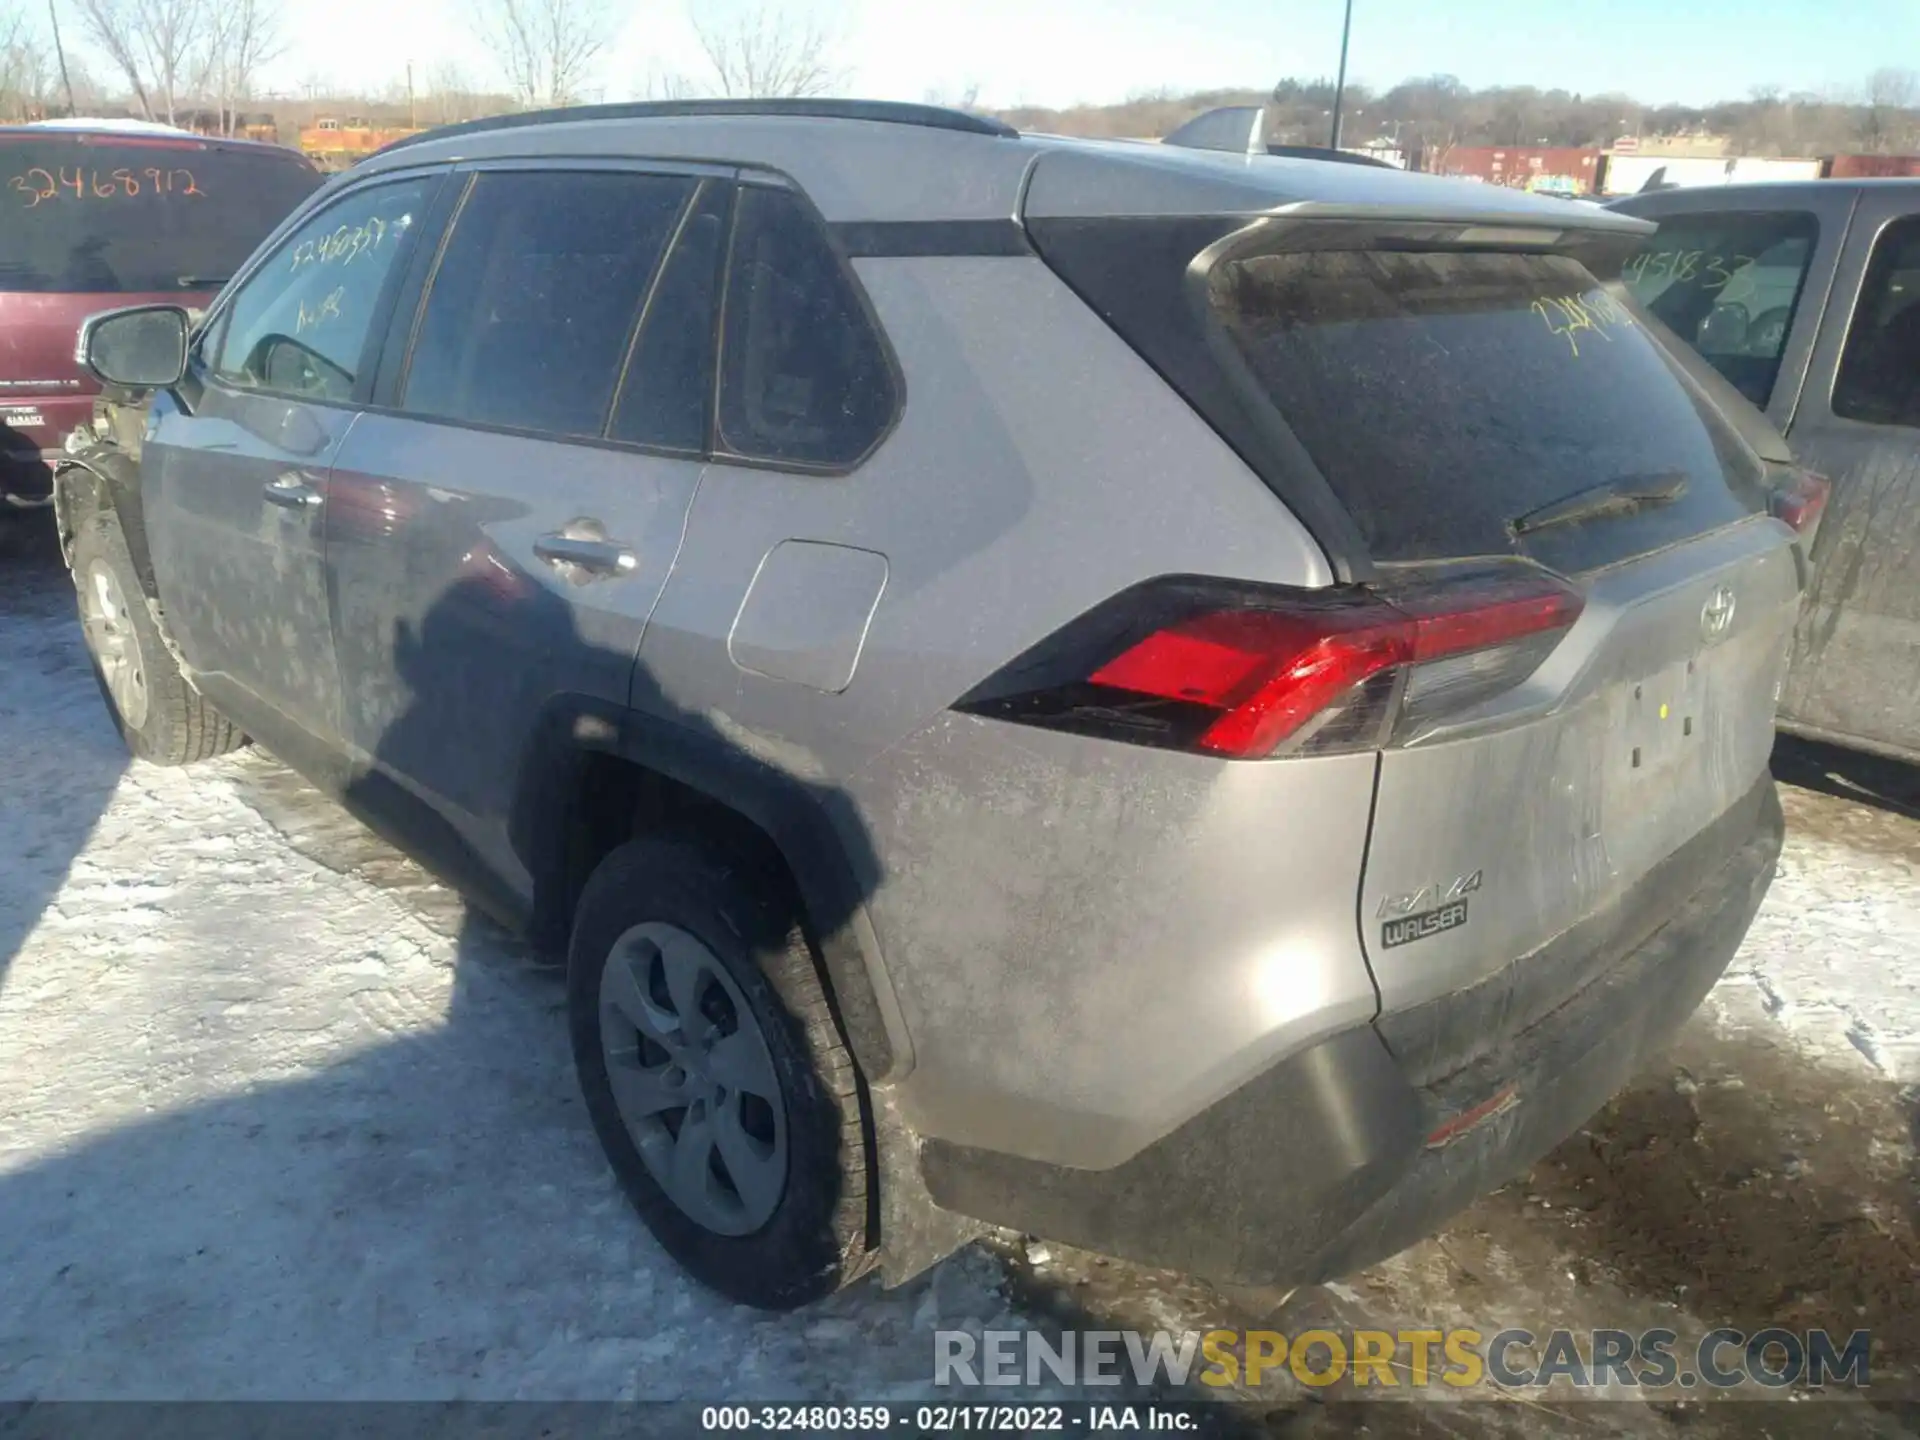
(1872, 167)
(1525, 167)
(1630, 174)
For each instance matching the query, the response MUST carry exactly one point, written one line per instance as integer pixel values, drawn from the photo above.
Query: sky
(1062, 52)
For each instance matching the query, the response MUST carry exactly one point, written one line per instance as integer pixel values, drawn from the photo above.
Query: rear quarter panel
(1087, 941)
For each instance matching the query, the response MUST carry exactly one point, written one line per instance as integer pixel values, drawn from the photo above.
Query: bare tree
(766, 52)
(157, 45)
(1887, 121)
(24, 72)
(545, 48)
(243, 36)
(668, 85)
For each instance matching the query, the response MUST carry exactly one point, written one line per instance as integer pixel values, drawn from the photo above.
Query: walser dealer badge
(1404, 929)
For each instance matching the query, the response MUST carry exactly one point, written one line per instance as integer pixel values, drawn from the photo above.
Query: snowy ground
(279, 1119)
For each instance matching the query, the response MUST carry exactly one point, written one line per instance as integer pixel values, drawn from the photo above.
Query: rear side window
(1879, 380)
(1728, 284)
(805, 379)
(528, 320)
(119, 218)
(1451, 397)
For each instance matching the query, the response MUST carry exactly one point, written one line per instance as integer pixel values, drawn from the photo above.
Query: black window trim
(694, 199)
(201, 374)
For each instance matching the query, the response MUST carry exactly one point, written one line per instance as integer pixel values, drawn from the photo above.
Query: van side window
(667, 392)
(298, 325)
(804, 378)
(1728, 283)
(537, 292)
(1879, 380)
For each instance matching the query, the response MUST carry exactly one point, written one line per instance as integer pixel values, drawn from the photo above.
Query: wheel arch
(103, 478)
(597, 775)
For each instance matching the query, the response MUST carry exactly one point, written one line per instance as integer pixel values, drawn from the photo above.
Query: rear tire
(692, 991)
(163, 719)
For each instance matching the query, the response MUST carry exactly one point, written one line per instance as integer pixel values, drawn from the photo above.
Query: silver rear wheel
(693, 1078)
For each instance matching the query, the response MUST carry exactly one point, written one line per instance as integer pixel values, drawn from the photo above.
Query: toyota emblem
(1716, 616)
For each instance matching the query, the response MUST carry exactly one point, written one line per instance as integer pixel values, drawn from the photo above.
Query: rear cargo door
(1475, 402)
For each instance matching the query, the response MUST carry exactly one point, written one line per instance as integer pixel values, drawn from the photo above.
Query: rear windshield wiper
(1624, 495)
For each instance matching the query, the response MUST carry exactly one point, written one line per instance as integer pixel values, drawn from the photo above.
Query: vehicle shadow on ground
(60, 758)
(1890, 785)
(393, 1189)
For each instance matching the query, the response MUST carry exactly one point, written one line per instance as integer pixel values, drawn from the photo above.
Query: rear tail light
(1802, 501)
(1245, 671)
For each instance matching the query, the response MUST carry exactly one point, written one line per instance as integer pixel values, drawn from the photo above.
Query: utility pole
(413, 118)
(1340, 84)
(66, 80)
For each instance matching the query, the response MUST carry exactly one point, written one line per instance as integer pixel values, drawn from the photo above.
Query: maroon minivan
(96, 217)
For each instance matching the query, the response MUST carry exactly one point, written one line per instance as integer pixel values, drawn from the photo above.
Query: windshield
(106, 216)
(1447, 395)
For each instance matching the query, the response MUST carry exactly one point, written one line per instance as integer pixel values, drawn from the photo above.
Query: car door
(235, 462)
(1858, 422)
(504, 519)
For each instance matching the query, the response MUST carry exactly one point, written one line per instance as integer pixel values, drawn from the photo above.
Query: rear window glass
(1446, 396)
(118, 218)
(1728, 284)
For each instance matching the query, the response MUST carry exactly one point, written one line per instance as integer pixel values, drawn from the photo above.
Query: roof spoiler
(1236, 129)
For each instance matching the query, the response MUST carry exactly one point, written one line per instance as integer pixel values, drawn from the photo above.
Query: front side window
(1728, 284)
(299, 323)
(1879, 380)
(804, 377)
(529, 318)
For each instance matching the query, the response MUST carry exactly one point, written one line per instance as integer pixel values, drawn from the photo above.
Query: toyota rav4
(1208, 706)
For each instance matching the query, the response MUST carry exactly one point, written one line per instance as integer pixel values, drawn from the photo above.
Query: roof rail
(889, 112)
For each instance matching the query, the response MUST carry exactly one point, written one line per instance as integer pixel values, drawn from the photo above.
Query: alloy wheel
(693, 1078)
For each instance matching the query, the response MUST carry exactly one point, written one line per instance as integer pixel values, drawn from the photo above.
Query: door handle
(292, 492)
(578, 552)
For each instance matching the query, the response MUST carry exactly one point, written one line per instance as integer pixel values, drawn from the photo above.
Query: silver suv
(1206, 706)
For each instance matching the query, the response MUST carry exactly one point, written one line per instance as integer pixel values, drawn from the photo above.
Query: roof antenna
(1237, 129)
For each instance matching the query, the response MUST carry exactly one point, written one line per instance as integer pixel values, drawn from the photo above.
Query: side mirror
(143, 347)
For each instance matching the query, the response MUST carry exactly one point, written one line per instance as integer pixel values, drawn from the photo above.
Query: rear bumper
(1358, 1146)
